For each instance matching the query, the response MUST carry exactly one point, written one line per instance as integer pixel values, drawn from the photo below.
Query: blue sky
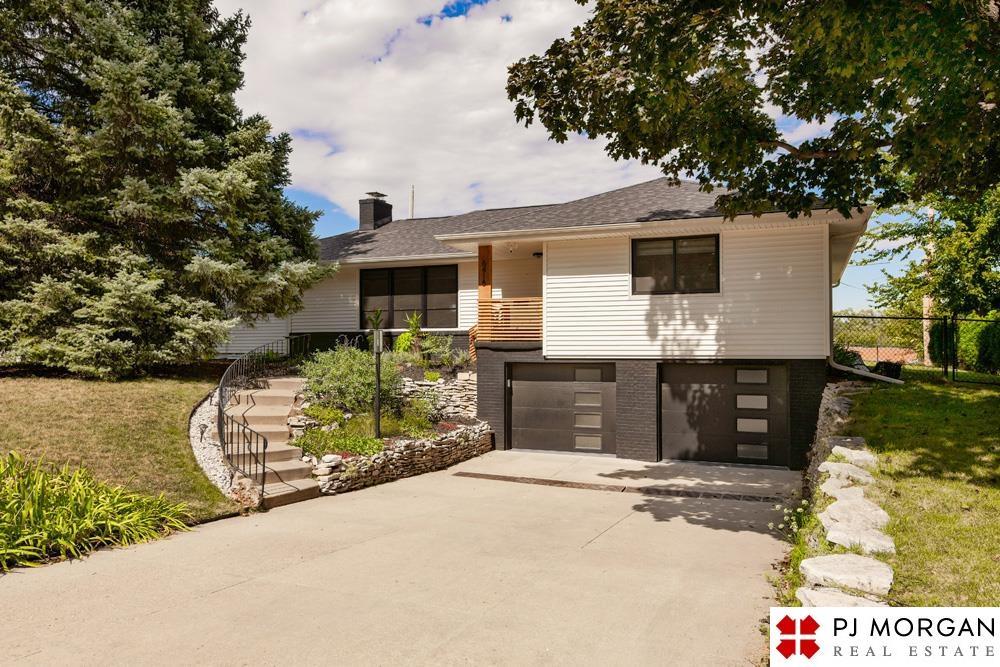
(396, 94)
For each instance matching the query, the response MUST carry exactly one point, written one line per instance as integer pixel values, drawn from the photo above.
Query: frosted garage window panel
(587, 398)
(751, 402)
(751, 375)
(751, 425)
(587, 375)
(587, 420)
(758, 452)
(587, 441)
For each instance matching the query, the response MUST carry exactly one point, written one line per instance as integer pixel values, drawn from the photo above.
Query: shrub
(323, 414)
(978, 344)
(436, 347)
(318, 442)
(432, 376)
(345, 378)
(405, 342)
(844, 356)
(47, 514)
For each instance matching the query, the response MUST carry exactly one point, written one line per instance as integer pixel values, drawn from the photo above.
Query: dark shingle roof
(653, 200)
(413, 237)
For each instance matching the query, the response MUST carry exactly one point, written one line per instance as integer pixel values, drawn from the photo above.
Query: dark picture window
(431, 291)
(676, 265)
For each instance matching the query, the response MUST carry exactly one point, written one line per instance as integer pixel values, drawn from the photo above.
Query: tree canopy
(141, 213)
(694, 87)
(953, 249)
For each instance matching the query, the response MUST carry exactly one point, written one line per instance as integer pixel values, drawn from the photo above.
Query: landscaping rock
(846, 441)
(856, 511)
(322, 470)
(410, 457)
(869, 540)
(834, 411)
(859, 457)
(848, 571)
(841, 489)
(332, 459)
(832, 597)
(846, 471)
(203, 435)
(454, 399)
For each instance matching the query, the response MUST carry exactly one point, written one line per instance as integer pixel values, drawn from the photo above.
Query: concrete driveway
(441, 569)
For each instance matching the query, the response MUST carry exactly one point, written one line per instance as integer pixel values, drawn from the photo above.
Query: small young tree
(141, 213)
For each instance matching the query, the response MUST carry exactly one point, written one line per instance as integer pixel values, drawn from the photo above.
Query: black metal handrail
(244, 448)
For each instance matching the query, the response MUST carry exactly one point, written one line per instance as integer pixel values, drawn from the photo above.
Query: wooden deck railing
(518, 319)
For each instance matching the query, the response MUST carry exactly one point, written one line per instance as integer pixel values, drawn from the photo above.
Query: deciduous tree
(695, 87)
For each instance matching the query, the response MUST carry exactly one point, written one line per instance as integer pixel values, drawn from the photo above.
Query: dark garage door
(734, 413)
(566, 407)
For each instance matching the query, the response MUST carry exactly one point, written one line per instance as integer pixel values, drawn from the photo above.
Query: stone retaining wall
(403, 459)
(453, 399)
(834, 412)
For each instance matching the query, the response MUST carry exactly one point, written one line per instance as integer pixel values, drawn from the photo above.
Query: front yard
(938, 477)
(938, 445)
(130, 433)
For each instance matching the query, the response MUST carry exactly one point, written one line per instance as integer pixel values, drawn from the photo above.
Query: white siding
(773, 301)
(331, 305)
(468, 295)
(243, 338)
(517, 278)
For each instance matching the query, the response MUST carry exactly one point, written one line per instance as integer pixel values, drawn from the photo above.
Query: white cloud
(377, 100)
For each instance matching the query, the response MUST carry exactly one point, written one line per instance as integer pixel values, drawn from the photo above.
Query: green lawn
(939, 479)
(130, 433)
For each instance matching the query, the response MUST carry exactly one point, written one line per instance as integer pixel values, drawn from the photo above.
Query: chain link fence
(965, 349)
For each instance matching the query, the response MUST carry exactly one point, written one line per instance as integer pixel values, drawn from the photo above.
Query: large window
(680, 265)
(431, 291)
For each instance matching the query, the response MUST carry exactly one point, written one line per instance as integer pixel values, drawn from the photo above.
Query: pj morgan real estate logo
(912, 636)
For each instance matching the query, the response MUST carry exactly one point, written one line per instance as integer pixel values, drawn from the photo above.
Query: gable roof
(652, 200)
(412, 237)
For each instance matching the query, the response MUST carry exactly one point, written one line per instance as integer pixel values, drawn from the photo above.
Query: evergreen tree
(141, 214)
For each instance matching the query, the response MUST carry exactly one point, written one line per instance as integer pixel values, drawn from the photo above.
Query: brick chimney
(374, 212)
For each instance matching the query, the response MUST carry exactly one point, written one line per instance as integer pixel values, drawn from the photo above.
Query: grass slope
(939, 480)
(130, 433)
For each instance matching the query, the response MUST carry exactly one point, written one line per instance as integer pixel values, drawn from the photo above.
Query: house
(636, 323)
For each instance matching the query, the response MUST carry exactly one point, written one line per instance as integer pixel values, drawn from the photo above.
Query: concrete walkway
(437, 569)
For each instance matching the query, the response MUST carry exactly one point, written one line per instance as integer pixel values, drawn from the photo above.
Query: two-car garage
(721, 412)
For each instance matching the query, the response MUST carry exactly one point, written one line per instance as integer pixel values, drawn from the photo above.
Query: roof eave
(403, 258)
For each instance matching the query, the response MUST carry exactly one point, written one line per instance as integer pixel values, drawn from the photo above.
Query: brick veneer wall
(636, 401)
(806, 381)
(490, 390)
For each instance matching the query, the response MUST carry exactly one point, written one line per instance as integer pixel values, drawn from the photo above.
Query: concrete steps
(283, 471)
(273, 397)
(260, 415)
(285, 493)
(287, 479)
(293, 383)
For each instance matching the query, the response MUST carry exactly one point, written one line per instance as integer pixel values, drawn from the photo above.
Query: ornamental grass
(52, 514)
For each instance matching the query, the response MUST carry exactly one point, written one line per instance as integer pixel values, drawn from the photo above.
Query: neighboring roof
(412, 237)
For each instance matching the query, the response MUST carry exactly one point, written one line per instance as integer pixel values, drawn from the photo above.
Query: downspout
(868, 375)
